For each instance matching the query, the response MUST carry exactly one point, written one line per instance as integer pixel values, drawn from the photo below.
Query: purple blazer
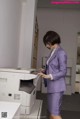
(57, 66)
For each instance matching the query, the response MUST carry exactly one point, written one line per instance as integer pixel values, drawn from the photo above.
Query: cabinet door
(70, 77)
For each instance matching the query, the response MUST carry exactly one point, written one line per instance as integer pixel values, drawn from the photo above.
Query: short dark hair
(51, 37)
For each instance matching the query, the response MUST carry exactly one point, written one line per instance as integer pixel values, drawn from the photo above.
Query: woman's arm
(62, 59)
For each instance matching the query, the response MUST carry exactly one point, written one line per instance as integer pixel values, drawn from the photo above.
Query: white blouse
(51, 55)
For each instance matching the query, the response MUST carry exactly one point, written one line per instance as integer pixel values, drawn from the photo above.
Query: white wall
(17, 19)
(64, 21)
(27, 33)
(10, 15)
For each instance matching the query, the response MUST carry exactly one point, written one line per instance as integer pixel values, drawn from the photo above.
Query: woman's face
(49, 46)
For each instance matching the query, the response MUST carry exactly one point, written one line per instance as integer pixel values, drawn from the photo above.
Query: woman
(54, 73)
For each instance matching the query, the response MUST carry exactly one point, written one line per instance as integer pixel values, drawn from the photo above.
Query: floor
(70, 106)
(77, 86)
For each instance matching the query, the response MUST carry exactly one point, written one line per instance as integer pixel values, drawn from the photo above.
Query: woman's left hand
(44, 75)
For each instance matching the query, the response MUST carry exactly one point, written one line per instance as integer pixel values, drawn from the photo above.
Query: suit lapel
(54, 55)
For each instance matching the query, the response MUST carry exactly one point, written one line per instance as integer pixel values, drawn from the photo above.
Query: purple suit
(57, 67)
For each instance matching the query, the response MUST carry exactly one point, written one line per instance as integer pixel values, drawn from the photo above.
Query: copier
(18, 85)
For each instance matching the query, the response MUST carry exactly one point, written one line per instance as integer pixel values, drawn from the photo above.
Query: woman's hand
(44, 75)
(41, 70)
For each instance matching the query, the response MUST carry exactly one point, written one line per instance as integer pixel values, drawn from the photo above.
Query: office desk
(36, 111)
(9, 110)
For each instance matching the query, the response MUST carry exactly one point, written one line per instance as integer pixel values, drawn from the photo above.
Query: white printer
(18, 86)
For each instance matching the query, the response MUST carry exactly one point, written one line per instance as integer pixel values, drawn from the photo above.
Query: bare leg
(55, 117)
(51, 117)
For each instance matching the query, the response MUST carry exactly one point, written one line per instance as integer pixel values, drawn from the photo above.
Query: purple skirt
(54, 103)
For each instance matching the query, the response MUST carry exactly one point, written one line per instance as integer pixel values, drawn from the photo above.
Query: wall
(10, 15)
(27, 33)
(17, 19)
(64, 21)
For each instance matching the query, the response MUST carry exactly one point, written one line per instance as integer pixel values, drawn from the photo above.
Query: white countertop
(8, 109)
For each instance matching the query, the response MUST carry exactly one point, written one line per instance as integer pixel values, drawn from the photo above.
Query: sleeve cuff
(51, 76)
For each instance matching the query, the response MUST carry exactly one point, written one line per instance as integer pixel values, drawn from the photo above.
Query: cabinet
(68, 76)
(77, 83)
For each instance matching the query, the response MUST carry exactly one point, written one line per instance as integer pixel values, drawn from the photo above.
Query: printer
(18, 85)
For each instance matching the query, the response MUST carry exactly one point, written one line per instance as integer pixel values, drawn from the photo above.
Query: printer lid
(29, 77)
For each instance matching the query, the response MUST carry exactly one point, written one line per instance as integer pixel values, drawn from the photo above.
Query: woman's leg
(55, 117)
(51, 117)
